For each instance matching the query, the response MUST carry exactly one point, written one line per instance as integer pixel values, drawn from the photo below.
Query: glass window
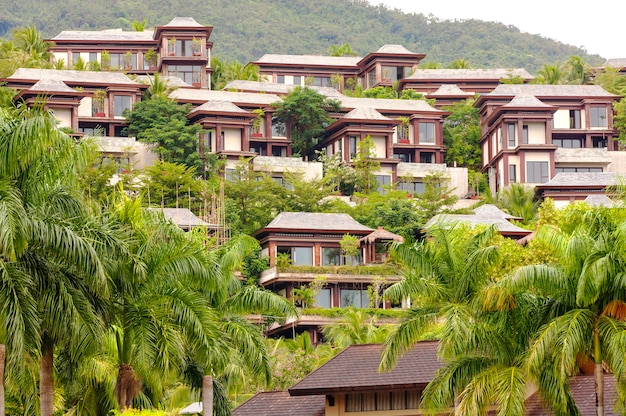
(280, 79)
(568, 143)
(414, 188)
(512, 173)
(524, 134)
(352, 142)
(383, 181)
(297, 80)
(427, 157)
(93, 57)
(302, 256)
(598, 116)
(323, 299)
(427, 133)
(354, 297)
(574, 119)
(121, 103)
(191, 74)
(278, 128)
(184, 47)
(599, 142)
(389, 74)
(537, 172)
(511, 134)
(371, 79)
(331, 256)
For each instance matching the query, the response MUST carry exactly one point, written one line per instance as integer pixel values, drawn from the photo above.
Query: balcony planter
(404, 141)
(257, 135)
(99, 115)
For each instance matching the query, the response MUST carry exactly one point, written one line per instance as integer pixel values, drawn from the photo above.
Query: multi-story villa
(180, 48)
(309, 245)
(532, 132)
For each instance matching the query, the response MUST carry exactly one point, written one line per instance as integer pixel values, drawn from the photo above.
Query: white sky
(598, 26)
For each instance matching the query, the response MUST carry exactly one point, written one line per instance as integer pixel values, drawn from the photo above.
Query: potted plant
(98, 103)
(196, 46)
(256, 123)
(128, 60)
(150, 58)
(403, 130)
(105, 60)
(171, 46)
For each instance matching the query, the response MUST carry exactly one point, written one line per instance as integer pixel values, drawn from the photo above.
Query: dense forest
(247, 29)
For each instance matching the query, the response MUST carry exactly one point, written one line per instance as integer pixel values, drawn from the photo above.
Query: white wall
(232, 139)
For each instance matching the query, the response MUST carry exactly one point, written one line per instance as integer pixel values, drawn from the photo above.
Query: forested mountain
(247, 29)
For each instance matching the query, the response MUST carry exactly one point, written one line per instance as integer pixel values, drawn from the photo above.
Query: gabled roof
(394, 49)
(181, 217)
(490, 210)
(308, 60)
(115, 35)
(527, 101)
(582, 179)
(203, 95)
(468, 74)
(220, 107)
(365, 113)
(71, 76)
(447, 90)
(380, 234)
(183, 22)
(502, 225)
(280, 403)
(582, 388)
(170, 80)
(386, 104)
(600, 201)
(316, 221)
(356, 369)
(275, 88)
(52, 85)
(543, 90)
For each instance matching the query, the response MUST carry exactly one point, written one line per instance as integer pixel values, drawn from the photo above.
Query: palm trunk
(207, 396)
(598, 374)
(126, 387)
(46, 377)
(2, 356)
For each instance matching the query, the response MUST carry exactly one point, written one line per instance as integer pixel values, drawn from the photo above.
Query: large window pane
(427, 133)
(598, 116)
(331, 256)
(303, 256)
(322, 300)
(537, 172)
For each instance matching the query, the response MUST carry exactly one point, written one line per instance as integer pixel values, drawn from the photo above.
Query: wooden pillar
(207, 396)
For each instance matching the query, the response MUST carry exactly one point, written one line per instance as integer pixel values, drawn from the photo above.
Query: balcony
(333, 274)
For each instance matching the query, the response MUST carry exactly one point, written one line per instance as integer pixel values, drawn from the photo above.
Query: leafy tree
(338, 175)
(306, 113)
(304, 195)
(461, 136)
(253, 198)
(519, 200)
(342, 50)
(550, 74)
(365, 164)
(393, 211)
(578, 72)
(164, 123)
(224, 72)
(171, 185)
(584, 301)
(436, 198)
(356, 327)
(460, 64)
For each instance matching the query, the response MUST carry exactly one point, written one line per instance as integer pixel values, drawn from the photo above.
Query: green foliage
(436, 198)
(461, 136)
(172, 185)
(519, 200)
(164, 123)
(285, 266)
(342, 50)
(349, 245)
(365, 165)
(338, 175)
(393, 211)
(306, 113)
(246, 33)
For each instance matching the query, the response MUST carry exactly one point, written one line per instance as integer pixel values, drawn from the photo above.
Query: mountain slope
(247, 29)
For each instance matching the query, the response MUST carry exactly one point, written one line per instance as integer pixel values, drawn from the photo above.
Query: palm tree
(550, 74)
(519, 200)
(178, 308)
(355, 327)
(51, 272)
(442, 275)
(585, 299)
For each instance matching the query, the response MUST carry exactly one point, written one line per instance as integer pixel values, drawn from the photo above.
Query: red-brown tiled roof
(356, 369)
(280, 403)
(583, 391)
